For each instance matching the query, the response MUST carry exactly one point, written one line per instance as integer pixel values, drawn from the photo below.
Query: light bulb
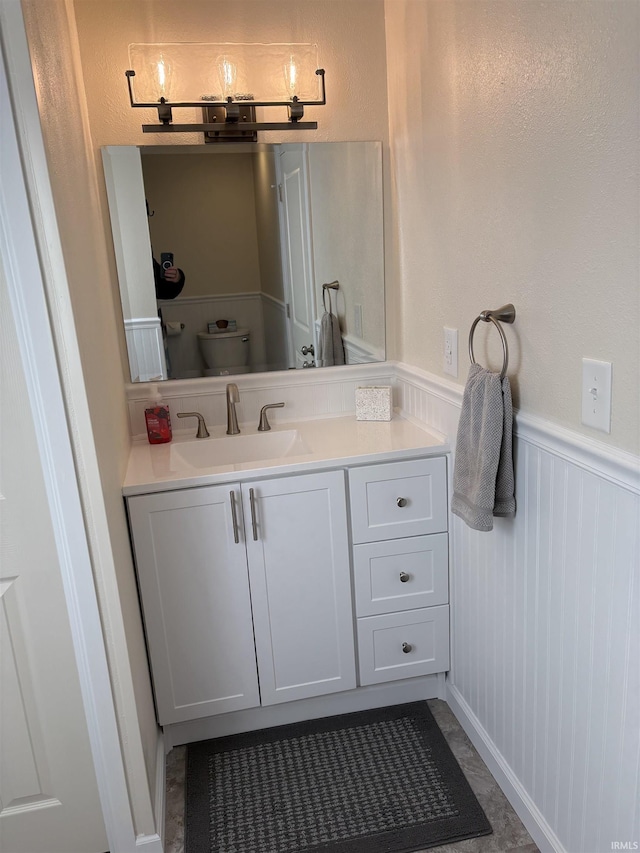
(291, 76)
(227, 72)
(164, 73)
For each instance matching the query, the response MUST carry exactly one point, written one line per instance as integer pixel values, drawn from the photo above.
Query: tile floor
(509, 835)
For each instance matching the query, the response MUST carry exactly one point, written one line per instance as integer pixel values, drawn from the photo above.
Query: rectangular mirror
(248, 234)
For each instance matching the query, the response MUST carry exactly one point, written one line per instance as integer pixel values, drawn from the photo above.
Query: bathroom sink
(239, 449)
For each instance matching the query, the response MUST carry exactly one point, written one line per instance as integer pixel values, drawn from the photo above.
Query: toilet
(225, 352)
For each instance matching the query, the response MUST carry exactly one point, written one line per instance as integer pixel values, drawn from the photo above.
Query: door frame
(23, 151)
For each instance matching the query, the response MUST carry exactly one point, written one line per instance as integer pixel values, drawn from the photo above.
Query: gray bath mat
(380, 781)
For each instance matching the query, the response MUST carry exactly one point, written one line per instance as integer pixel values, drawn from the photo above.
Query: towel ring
(334, 285)
(505, 314)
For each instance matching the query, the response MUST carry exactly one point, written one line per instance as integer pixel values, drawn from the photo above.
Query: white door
(297, 264)
(192, 570)
(48, 791)
(298, 553)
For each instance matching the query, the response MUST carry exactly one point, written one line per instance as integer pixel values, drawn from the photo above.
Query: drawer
(401, 574)
(402, 645)
(398, 499)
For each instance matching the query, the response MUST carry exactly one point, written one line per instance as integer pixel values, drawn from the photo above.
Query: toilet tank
(225, 349)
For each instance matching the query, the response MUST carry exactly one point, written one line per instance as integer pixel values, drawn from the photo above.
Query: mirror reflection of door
(297, 259)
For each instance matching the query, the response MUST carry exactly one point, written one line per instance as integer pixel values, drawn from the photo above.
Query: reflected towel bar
(333, 285)
(505, 314)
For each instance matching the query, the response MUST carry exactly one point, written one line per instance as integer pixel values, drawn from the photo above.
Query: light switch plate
(450, 364)
(596, 394)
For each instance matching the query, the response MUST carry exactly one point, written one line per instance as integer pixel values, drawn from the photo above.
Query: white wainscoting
(545, 630)
(145, 348)
(319, 393)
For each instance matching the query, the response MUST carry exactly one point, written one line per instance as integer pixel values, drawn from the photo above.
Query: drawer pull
(404, 577)
(406, 648)
(401, 502)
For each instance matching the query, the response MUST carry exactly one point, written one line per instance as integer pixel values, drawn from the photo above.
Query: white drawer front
(402, 645)
(398, 499)
(401, 574)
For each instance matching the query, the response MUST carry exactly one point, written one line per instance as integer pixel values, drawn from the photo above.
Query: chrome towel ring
(505, 314)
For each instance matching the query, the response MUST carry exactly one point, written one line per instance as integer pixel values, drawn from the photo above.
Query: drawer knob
(406, 648)
(404, 577)
(401, 501)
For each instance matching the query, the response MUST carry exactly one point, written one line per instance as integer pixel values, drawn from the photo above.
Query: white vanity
(312, 583)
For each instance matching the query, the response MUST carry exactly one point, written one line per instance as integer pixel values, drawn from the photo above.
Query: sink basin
(239, 449)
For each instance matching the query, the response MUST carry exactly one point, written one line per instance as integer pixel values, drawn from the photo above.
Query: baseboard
(523, 805)
(150, 843)
(154, 843)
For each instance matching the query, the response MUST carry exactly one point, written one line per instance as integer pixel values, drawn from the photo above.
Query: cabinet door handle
(234, 517)
(406, 648)
(404, 577)
(401, 501)
(254, 523)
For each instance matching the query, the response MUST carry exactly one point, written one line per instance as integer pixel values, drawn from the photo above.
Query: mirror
(255, 230)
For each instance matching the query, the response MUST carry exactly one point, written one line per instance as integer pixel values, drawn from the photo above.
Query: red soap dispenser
(157, 418)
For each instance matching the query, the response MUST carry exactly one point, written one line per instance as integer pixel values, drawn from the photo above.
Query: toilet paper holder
(173, 327)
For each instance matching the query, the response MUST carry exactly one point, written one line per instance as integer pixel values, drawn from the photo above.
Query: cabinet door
(298, 552)
(195, 596)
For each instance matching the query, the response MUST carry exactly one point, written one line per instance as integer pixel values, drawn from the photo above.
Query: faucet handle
(203, 432)
(264, 424)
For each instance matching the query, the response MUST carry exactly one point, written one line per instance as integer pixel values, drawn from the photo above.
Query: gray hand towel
(483, 484)
(330, 346)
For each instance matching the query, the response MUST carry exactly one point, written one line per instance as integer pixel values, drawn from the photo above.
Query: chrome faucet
(264, 424)
(203, 432)
(233, 397)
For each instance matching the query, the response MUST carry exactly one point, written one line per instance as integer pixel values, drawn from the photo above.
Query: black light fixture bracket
(239, 115)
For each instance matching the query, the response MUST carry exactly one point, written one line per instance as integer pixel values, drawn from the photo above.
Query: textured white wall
(349, 35)
(514, 130)
(348, 245)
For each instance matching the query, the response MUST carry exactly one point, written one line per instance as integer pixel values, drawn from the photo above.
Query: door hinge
(280, 193)
(288, 309)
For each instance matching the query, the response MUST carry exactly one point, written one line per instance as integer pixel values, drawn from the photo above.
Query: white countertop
(331, 442)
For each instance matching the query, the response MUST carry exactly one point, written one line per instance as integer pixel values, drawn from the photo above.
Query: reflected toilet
(225, 352)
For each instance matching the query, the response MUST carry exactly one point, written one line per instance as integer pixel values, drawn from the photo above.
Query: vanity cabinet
(246, 593)
(400, 560)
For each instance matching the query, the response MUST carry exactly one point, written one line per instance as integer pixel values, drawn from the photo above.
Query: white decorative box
(373, 403)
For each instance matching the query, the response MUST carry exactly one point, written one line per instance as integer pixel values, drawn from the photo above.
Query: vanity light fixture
(227, 82)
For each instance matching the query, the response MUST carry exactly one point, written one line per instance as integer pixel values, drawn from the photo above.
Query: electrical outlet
(596, 394)
(450, 351)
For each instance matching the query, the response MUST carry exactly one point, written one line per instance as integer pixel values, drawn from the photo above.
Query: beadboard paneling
(545, 629)
(318, 393)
